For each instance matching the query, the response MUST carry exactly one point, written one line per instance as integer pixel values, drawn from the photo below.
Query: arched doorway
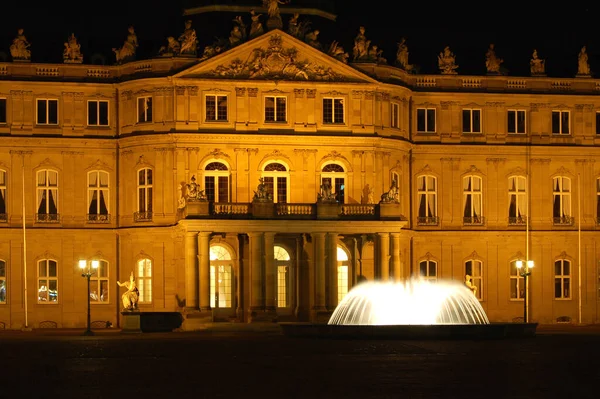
(221, 282)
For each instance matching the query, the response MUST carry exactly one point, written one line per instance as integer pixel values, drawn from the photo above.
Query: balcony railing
(142, 216)
(563, 220)
(294, 210)
(473, 220)
(428, 220)
(47, 217)
(98, 218)
(3, 217)
(517, 220)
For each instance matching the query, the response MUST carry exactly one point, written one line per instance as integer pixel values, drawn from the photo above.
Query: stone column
(332, 271)
(256, 275)
(396, 263)
(204, 266)
(270, 272)
(384, 256)
(191, 271)
(320, 282)
(296, 274)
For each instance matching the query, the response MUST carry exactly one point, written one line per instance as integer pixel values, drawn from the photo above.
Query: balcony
(428, 220)
(142, 216)
(563, 220)
(98, 218)
(47, 218)
(473, 220)
(517, 220)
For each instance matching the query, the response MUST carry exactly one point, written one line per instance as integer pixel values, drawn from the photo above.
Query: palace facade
(263, 182)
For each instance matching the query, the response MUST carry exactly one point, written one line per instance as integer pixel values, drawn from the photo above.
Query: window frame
(332, 119)
(3, 111)
(473, 194)
(47, 188)
(3, 282)
(516, 125)
(273, 188)
(333, 176)
(564, 218)
(98, 113)
(425, 115)
(47, 120)
(275, 109)
(471, 115)
(426, 219)
(143, 281)
(148, 189)
(395, 115)
(515, 277)
(101, 191)
(520, 196)
(97, 280)
(214, 195)
(48, 278)
(148, 112)
(562, 277)
(476, 280)
(429, 264)
(560, 128)
(3, 199)
(217, 113)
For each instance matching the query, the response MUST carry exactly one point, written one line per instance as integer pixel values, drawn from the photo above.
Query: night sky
(558, 33)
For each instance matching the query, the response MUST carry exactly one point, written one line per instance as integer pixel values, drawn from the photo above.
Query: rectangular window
(517, 283)
(47, 111)
(144, 109)
(333, 110)
(3, 111)
(560, 122)
(144, 280)
(99, 283)
(282, 284)
(517, 200)
(428, 270)
(98, 113)
(342, 280)
(426, 120)
(2, 281)
(427, 200)
(597, 122)
(47, 196)
(516, 121)
(562, 279)
(98, 196)
(3, 215)
(47, 281)
(275, 109)
(471, 120)
(216, 108)
(473, 200)
(220, 286)
(395, 115)
(474, 268)
(561, 203)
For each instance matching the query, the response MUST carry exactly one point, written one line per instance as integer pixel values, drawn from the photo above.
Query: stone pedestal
(327, 210)
(131, 322)
(195, 320)
(389, 211)
(263, 209)
(197, 208)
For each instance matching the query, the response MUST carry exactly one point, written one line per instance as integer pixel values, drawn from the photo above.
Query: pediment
(275, 55)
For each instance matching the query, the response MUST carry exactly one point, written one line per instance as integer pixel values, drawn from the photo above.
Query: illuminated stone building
(297, 155)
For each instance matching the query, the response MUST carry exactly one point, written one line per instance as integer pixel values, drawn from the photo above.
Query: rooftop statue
(447, 62)
(238, 33)
(72, 52)
(256, 28)
(583, 67)
(538, 66)
(171, 49)
(131, 296)
(19, 49)
(188, 40)
(337, 52)
(402, 56)
(127, 52)
(361, 46)
(311, 38)
(492, 63)
(297, 28)
(272, 6)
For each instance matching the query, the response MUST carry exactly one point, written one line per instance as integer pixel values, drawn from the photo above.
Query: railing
(3, 217)
(473, 220)
(98, 218)
(142, 216)
(298, 210)
(517, 220)
(563, 220)
(428, 220)
(47, 217)
(231, 208)
(358, 210)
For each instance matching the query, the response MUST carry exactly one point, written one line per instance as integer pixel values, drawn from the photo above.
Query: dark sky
(558, 33)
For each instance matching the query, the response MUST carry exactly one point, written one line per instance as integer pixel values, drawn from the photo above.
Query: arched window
(473, 200)
(276, 177)
(47, 281)
(335, 176)
(216, 182)
(561, 209)
(343, 267)
(221, 269)
(427, 200)
(517, 200)
(428, 270)
(144, 280)
(474, 268)
(283, 265)
(98, 196)
(47, 196)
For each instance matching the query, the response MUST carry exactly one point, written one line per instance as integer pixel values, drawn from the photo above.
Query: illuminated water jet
(412, 302)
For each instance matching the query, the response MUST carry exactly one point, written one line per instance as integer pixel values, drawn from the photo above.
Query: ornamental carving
(275, 62)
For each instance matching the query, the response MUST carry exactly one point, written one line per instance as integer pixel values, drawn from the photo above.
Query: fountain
(413, 309)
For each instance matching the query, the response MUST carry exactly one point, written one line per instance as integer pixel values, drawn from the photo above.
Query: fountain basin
(410, 332)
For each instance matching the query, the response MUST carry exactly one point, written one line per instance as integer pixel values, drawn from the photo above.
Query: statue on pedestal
(19, 49)
(272, 6)
(402, 56)
(188, 40)
(194, 193)
(538, 66)
(361, 45)
(72, 52)
(583, 68)
(256, 28)
(262, 193)
(447, 62)
(131, 296)
(492, 63)
(392, 196)
(127, 51)
(326, 194)
(172, 48)
(337, 52)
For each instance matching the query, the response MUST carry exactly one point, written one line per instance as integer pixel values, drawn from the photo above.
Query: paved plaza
(258, 362)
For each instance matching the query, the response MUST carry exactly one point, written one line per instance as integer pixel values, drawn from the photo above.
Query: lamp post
(87, 271)
(525, 271)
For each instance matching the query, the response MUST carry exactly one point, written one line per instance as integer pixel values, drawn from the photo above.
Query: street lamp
(87, 271)
(525, 271)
